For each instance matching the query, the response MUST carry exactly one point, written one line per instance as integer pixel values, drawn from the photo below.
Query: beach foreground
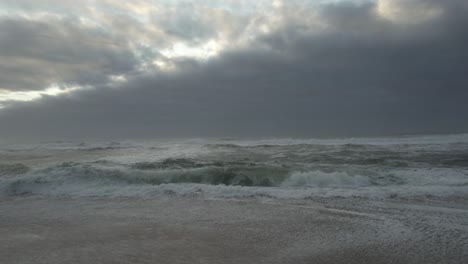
(198, 230)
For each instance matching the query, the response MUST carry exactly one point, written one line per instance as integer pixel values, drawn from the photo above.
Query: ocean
(373, 168)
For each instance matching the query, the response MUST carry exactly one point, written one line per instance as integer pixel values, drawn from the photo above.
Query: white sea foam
(323, 179)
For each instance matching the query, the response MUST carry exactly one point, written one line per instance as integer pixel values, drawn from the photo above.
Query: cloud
(48, 43)
(38, 53)
(344, 70)
(416, 11)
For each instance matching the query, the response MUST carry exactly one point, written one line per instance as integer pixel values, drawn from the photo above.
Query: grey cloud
(196, 22)
(47, 41)
(38, 53)
(362, 76)
(186, 22)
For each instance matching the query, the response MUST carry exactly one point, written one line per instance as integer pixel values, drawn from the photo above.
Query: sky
(117, 69)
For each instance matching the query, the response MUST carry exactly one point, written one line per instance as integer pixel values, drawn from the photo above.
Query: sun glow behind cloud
(408, 12)
(204, 51)
(24, 96)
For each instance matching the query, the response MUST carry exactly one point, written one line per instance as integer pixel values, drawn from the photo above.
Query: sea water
(377, 168)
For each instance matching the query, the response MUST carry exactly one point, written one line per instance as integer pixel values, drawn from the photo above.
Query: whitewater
(373, 168)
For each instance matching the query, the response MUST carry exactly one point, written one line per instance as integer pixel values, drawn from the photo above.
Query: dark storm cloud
(38, 53)
(363, 74)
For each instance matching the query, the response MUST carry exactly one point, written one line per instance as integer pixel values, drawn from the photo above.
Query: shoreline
(39, 229)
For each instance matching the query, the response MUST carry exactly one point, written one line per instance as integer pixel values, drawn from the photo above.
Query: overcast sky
(112, 69)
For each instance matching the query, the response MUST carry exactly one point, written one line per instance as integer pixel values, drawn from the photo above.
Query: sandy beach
(188, 230)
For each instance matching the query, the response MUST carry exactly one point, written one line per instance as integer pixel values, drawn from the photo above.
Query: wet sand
(196, 230)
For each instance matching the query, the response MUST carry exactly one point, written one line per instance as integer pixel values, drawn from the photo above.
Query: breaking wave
(229, 181)
(435, 166)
